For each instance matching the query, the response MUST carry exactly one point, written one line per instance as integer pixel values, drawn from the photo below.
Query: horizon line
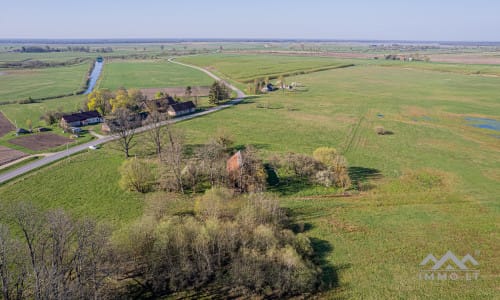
(154, 40)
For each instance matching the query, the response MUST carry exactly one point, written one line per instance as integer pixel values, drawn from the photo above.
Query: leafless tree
(172, 158)
(213, 159)
(13, 268)
(156, 132)
(124, 125)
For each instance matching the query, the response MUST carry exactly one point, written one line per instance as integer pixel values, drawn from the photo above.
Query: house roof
(159, 104)
(182, 106)
(235, 162)
(82, 116)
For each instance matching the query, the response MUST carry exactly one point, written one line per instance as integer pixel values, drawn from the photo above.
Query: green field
(149, 74)
(39, 83)
(20, 113)
(429, 187)
(245, 68)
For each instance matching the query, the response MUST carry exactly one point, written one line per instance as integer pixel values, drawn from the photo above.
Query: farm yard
(429, 186)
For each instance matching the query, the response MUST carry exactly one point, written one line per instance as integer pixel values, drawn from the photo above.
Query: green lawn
(245, 68)
(18, 84)
(150, 74)
(370, 245)
(20, 113)
(85, 184)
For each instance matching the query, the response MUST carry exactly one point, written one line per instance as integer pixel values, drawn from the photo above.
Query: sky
(429, 20)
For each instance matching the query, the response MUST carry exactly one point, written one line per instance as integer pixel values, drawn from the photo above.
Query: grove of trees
(239, 245)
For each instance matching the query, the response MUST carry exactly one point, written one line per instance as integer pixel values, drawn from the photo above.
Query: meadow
(149, 74)
(429, 186)
(20, 84)
(21, 113)
(246, 68)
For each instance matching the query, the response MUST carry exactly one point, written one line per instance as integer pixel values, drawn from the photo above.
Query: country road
(62, 154)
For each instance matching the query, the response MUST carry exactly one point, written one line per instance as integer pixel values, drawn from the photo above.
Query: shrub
(136, 175)
(325, 155)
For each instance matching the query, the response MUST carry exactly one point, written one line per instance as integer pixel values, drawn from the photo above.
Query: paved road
(62, 154)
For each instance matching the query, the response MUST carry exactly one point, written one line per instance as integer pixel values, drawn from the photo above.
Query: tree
(218, 92)
(29, 124)
(129, 99)
(213, 159)
(159, 95)
(13, 267)
(99, 100)
(121, 100)
(282, 82)
(123, 124)
(250, 176)
(188, 92)
(136, 175)
(156, 132)
(172, 157)
(325, 155)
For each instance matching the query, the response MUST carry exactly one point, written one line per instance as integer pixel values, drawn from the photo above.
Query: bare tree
(124, 125)
(156, 132)
(172, 158)
(213, 159)
(30, 222)
(13, 268)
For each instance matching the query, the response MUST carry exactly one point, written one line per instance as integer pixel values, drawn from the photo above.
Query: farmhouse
(159, 105)
(180, 109)
(111, 125)
(81, 119)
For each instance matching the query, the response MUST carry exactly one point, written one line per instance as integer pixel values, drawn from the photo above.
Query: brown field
(466, 58)
(306, 53)
(200, 91)
(37, 142)
(8, 155)
(5, 125)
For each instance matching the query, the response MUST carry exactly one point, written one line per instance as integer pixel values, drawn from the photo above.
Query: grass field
(429, 187)
(40, 83)
(77, 185)
(21, 113)
(150, 74)
(245, 68)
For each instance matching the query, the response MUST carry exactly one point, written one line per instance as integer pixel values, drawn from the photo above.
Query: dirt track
(37, 142)
(5, 125)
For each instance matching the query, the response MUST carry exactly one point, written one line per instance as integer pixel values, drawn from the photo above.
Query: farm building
(180, 109)
(110, 125)
(160, 105)
(81, 119)
(234, 163)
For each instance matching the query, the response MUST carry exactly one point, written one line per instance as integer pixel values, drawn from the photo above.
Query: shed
(182, 108)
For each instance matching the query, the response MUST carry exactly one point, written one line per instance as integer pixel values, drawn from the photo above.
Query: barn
(182, 108)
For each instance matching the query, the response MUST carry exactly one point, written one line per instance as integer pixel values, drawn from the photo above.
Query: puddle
(484, 123)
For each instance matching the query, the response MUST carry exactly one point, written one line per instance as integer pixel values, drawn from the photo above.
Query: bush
(136, 175)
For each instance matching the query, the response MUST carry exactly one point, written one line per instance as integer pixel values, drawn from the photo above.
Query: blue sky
(459, 20)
